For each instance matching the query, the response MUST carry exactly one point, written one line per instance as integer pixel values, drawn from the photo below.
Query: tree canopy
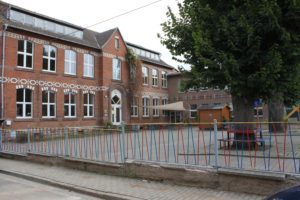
(250, 47)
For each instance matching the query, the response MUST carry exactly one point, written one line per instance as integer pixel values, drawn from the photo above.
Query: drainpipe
(2, 71)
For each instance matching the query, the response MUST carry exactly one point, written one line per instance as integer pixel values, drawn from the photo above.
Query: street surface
(13, 188)
(109, 185)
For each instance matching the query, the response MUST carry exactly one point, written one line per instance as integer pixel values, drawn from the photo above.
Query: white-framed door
(116, 107)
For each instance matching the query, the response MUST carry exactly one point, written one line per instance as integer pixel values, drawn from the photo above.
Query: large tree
(250, 47)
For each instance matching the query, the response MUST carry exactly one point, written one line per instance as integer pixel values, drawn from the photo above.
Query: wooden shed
(207, 113)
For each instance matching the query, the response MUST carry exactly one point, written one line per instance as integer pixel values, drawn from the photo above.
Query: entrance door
(116, 108)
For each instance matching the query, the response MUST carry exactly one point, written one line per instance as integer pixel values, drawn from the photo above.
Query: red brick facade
(101, 85)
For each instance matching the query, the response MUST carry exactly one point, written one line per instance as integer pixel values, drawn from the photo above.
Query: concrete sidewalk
(111, 187)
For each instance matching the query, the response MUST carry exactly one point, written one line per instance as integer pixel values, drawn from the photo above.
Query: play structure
(295, 109)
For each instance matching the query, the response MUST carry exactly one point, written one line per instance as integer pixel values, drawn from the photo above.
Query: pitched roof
(103, 37)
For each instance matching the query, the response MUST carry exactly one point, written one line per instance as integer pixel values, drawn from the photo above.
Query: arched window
(49, 58)
(70, 105)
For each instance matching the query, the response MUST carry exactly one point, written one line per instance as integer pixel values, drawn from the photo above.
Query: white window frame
(193, 111)
(69, 63)
(116, 69)
(88, 66)
(164, 82)
(146, 104)
(134, 107)
(145, 74)
(25, 54)
(154, 77)
(164, 101)
(89, 105)
(117, 42)
(155, 102)
(48, 104)
(49, 58)
(70, 105)
(24, 104)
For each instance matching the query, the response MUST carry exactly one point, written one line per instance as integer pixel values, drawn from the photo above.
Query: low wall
(260, 183)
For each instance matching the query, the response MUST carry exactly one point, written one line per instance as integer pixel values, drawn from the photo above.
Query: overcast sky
(139, 27)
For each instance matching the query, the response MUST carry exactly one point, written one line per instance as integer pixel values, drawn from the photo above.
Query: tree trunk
(276, 112)
(243, 130)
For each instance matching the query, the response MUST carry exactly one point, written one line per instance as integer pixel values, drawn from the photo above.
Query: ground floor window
(24, 103)
(69, 105)
(88, 105)
(164, 102)
(145, 107)
(134, 107)
(193, 110)
(48, 104)
(155, 102)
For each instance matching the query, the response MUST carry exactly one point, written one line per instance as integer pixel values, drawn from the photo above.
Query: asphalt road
(12, 188)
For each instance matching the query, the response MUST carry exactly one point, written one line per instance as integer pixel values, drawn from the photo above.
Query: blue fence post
(28, 140)
(0, 140)
(66, 143)
(216, 144)
(123, 158)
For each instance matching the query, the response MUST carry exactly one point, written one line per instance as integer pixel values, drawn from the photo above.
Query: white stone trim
(50, 84)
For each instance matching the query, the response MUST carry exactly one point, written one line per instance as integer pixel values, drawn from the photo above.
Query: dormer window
(117, 42)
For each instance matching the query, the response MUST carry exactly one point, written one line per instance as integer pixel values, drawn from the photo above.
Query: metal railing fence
(251, 146)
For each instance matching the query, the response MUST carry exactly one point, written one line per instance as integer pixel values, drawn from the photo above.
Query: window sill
(134, 116)
(88, 118)
(48, 72)
(48, 119)
(146, 116)
(88, 77)
(24, 119)
(70, 75)
(24, 69)
(70, 118)
(115, 80)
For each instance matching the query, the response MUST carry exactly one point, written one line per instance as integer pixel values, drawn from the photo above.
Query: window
(154, 77)
(24, 103)
(69, 105)
(258, 112)
(116, 69)
(155, 111)
(70, 62)
(88, 105)
(117, 43)
(25, 54)
(193, 110)
(164, 102)
(145, 75)
(48, 104)
(49, 58)
(88, 65)
(145, 107)
(134, 107)
(164, 79)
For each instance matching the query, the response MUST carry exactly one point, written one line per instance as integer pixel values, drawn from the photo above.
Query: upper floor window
(134, 107)
(116, 69)
(145, 107)
(49, 58)
(164, 79)
(70, 62)
(193, 110)
(88, 65)
(145, 75)
(69, 105)
(154, 77)
(117, 43)
(88, 105)
(155, 102)
(24, 103)
(25, 54)
(48, 104)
